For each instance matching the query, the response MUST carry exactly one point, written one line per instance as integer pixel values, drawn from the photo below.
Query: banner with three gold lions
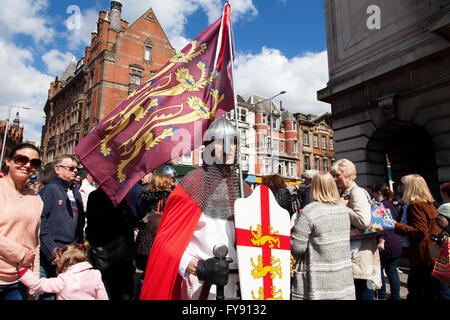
(166, 116)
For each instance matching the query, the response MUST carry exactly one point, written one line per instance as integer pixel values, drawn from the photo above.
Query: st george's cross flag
(165, 117)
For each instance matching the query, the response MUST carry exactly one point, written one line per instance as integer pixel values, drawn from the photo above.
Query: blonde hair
(324, 189)
(344, 167)
(159, 182)
(69, 255)
(416, 188)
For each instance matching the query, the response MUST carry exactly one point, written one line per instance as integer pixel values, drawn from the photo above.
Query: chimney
(281, 105)
(114, 15)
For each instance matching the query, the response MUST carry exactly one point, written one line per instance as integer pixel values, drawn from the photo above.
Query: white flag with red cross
(263, 246)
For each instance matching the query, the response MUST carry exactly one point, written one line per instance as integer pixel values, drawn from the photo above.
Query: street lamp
(5, 134)
(271, 124)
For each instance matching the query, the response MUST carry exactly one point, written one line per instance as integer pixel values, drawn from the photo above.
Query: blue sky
(280, 44)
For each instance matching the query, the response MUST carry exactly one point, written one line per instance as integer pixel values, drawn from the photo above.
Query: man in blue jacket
(62, 218)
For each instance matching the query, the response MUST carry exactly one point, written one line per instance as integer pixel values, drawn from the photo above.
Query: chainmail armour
(214, 190)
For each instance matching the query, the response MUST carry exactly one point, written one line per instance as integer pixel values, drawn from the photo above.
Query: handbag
(381, 221)
(113, 253)
(441, 268)
(146, 236)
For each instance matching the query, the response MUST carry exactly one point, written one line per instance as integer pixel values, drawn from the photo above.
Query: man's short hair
(60, 158)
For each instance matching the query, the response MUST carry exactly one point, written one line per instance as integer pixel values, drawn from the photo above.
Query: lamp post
(271, 124)
(5, 134)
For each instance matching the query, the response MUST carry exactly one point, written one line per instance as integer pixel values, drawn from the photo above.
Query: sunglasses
(23, 160)
(71, 168)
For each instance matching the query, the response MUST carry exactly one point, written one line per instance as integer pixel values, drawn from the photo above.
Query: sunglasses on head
(23, 160)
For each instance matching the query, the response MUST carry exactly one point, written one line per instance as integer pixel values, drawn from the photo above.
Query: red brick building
(121, 57)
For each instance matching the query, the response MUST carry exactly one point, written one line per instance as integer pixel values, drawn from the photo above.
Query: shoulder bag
(113, 253)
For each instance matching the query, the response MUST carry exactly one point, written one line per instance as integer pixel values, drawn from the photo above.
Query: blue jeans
(362, 291)
(390, 265)
(15, 291)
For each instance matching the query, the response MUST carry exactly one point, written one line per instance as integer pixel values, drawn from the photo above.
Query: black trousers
(422, 286)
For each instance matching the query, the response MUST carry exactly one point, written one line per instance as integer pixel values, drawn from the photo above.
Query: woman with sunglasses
(20, 213)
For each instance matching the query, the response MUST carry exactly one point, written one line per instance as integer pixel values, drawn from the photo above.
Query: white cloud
(56, 61)
(269, 72)
(173, 14)
(26, 17)
(23, 86)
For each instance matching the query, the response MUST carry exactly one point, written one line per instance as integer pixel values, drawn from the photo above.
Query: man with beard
(197, 217)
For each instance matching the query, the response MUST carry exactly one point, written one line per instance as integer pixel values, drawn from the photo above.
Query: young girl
(76, 279)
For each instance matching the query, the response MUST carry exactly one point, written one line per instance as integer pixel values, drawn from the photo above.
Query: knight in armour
(199, 216)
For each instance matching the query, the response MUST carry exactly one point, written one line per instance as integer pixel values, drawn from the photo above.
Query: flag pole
(238, 147)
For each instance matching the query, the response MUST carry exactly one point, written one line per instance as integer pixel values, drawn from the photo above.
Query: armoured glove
(214, 270)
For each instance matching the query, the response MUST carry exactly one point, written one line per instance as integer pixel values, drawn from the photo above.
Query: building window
(243, 141)
(282, 146)
(305, 138)
(324, 142)
(91, 79)
(294, 125)
(325, 165)
(148, 53)
(295, 147)
(331, 144)
(275, 145)
(264, 141)
(316, 141)
(242, 114)
(322, 127)
(135, 76)
(291, 169)
(267, 166)
(264, 118)
(88, 111)
(317, 164)
(306, 164)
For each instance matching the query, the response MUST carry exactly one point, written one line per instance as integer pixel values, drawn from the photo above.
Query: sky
(280, 45)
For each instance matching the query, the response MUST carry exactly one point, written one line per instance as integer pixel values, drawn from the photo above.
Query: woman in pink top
(76, 279)
(20, 213)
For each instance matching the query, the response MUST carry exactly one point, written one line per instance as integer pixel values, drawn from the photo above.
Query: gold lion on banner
(168, 116)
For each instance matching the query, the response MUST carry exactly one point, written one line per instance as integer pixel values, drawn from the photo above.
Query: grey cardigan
(320, 245)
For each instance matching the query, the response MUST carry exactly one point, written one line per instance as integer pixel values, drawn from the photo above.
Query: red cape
(178, 222)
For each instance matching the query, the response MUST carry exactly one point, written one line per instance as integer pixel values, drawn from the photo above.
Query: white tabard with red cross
(263, 246)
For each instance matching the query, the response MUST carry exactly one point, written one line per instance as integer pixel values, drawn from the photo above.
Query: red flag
(165, 117)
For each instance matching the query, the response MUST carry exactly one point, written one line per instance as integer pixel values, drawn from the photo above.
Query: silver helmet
(169, 171)
(221, 131)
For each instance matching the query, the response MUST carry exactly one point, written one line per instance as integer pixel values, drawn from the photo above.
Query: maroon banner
(165, 117)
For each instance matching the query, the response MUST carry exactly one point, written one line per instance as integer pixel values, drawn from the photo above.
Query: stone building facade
(389, 87)
(121, 57)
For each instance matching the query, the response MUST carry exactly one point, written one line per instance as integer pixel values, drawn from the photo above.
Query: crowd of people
(66, 239)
